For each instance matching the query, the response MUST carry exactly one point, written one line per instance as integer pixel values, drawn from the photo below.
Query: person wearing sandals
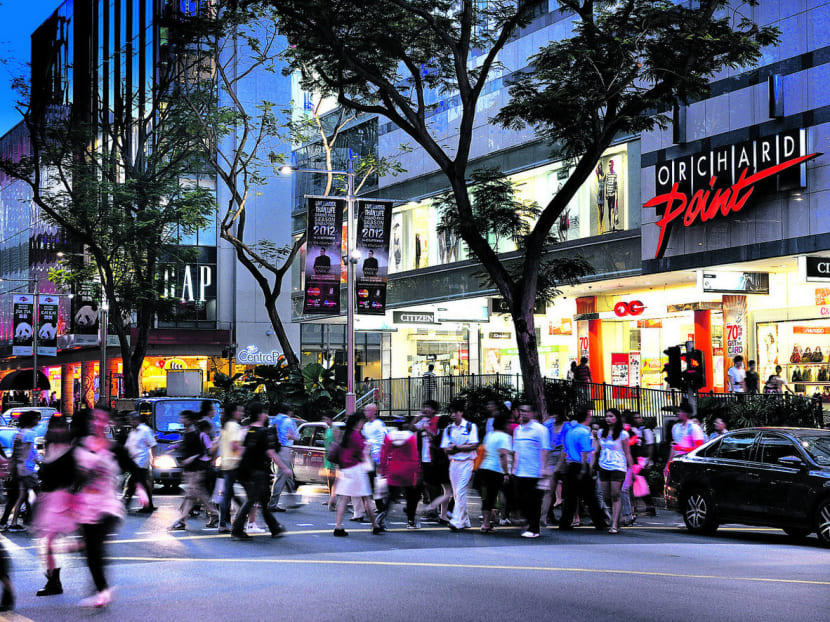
(614, 462)
(494, 470)
(352, 477)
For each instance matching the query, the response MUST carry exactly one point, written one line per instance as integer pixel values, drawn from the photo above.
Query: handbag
(479, 457)
(640, 486)
(218, 491)
(818, 357)
(334, 453)
(795, 357)
(381, 487)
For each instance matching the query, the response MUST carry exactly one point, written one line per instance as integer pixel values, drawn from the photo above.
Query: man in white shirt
(140, 443)
(531, 446)
(737, 375)
(686, 435)
(460, 441)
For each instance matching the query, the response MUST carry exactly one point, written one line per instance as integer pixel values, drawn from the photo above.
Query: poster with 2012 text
(322, 266)
(373, 224)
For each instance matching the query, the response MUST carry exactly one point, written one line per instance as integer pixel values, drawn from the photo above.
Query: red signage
(723, 202)
(635, 307)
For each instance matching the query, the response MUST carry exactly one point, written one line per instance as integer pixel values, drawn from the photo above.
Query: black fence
(405, 396)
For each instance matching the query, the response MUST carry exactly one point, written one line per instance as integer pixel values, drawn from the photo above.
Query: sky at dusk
(18, 19)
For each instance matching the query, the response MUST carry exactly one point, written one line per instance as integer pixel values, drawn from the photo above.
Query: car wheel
(699, 512)
(822, 521)
(797, 533)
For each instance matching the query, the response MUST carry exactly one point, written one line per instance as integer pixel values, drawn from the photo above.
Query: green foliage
(477, 397)
(311, 391)
(760, 410)
(562, 397)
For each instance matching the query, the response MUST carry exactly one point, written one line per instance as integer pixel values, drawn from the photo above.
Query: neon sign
(720, 182)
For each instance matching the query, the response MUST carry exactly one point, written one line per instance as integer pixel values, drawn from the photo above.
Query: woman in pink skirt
(55, 508)
(352, 477)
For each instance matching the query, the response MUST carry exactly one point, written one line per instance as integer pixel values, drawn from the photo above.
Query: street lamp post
(352, 260)
(103, 387)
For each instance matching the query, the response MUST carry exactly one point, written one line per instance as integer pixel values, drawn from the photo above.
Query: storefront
(601, 205)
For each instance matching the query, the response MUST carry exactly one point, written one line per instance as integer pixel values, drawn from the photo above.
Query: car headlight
(165, 462)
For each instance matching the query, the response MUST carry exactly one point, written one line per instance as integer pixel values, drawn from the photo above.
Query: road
(653, 571)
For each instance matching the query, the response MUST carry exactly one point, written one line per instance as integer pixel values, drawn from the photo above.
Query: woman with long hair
(352, 477)
(55, 509)
(98, 466)
(494, 471)
(25, 459)
(614, 462)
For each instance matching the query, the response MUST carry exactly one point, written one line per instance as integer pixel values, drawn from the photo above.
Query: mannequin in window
(611, 202)
(600, 195)
(396, 244)
(417, 250)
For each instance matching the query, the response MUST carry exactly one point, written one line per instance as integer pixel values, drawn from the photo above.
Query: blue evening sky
(18, 19)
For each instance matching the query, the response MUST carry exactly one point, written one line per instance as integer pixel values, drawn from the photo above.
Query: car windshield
(168, 414)
(818, 447)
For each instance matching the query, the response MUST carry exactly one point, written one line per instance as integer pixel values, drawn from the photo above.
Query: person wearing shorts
(614, 461)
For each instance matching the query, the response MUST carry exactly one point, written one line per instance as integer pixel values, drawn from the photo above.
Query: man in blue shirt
(287, 432)
(579, 483)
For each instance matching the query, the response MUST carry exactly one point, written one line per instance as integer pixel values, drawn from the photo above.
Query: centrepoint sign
(252, 355)
(720, 182)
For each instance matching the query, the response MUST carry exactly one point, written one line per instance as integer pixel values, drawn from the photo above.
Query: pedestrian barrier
(397, 397)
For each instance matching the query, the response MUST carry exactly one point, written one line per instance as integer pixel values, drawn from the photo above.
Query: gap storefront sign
(718, 183)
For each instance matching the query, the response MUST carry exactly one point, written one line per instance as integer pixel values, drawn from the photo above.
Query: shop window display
(802, 348)
(598, 207)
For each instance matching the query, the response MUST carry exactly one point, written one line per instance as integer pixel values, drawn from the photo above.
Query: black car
(775, 477)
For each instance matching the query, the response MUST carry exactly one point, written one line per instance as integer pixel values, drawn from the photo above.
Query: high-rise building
(101, 59)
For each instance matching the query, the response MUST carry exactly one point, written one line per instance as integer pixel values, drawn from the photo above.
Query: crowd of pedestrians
(524, 469)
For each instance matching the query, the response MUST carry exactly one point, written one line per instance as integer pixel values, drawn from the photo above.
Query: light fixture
(286, 169)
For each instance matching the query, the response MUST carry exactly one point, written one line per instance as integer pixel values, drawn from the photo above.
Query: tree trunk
(529, 360)
(279, 330)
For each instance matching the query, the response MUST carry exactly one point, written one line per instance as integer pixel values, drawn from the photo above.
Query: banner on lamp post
(374, 219)
(24, 324)
(322, 265)
(47, 325)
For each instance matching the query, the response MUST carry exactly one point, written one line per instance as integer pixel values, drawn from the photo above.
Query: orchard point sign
(251, 355)
(724, 180)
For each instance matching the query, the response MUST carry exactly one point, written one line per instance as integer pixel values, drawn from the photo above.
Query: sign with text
(814, 268)
(322, 272)
(734, 326)
(722, 181)
(499, 305)
(24, 324)
(734, 282)
(47, 331)
(372, 243)
(413, 317)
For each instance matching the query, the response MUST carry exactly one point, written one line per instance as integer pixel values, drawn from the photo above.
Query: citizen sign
(252, 355)
(413, 317)
(815, 268)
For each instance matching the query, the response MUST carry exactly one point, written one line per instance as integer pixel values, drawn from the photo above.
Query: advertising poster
(582, 337)
(619, 369)
(633, 369)
(322, 266)
(24, 305)
(372, 243)
(734, 327)
(84, 320)
(47, 325)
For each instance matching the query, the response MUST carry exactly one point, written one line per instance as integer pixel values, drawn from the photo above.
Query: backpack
(334, 453)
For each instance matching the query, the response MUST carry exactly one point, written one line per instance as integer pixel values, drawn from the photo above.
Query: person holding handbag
(352, 476)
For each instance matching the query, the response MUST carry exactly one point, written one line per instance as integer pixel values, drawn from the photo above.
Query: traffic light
(695, 373)
(672, 369)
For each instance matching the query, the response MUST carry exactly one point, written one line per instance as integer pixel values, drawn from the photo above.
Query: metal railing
(405, 396)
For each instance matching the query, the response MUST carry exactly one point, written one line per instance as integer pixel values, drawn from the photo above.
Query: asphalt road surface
(652, 571)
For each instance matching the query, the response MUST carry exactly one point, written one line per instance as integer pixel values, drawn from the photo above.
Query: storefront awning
(21, 380)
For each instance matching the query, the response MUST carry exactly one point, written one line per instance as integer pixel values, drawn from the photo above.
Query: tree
(117, 177)
(625, 60)
(243, 141)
